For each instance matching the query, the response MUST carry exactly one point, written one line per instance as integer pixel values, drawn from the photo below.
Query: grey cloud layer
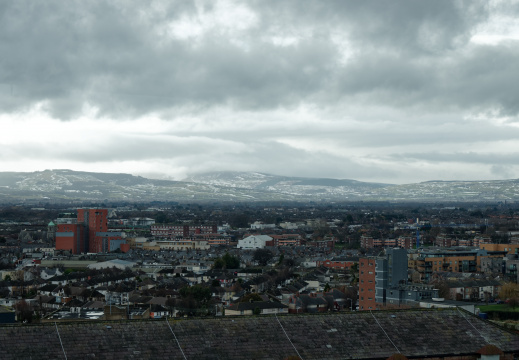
(112, 56)
(395, 74)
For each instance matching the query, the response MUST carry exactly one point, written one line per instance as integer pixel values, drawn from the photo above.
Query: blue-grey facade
(391, 281)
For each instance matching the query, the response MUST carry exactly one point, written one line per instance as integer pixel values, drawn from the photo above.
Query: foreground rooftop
(361, 335)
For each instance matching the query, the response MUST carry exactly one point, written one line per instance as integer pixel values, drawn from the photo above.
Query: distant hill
(317, 188)
(79, 186)
(68, 185)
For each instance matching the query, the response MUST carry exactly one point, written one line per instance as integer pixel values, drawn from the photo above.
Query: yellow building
(430, 261)
(509, 248)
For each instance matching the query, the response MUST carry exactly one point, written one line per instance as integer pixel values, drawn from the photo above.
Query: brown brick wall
(367, 284)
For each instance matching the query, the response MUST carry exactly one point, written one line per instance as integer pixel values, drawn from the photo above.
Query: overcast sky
(383, 91)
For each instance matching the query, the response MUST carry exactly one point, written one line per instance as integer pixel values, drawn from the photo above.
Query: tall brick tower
(94, 220)
(367, 288)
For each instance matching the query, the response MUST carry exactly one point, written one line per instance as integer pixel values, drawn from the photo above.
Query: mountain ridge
(70, 185)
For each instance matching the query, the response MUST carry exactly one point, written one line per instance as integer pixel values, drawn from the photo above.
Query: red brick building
(444, 241)
(285, 240)
(367, 284)
(70, 237)
(366, 242)
(94, 221)
(406, 242)
(87, 233)
(338, 263)
(327, 243)
(391, 242)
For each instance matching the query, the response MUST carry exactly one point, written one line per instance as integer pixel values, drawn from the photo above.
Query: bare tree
(24, 311)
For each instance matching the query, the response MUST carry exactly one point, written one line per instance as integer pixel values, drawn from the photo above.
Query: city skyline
(398, 92)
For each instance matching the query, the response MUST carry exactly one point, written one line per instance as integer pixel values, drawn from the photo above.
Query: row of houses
(171, 231)
(368, 242)
(408, 242)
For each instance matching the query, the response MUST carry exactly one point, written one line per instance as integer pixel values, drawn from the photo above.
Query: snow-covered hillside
(68, 185)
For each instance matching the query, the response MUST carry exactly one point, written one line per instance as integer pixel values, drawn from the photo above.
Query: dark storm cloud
(118, 57)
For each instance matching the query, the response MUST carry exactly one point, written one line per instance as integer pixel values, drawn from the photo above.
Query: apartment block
(444, 241)
(163, 230)
(452, 260)
(368, 242)
(507, 248)
(367, 288)
(286, 240)
(406, 242)
(386, 277)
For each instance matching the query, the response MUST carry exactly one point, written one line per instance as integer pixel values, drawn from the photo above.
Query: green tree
(24, 311)
(513, 302)
(443, 288)
(289, 262)
(227, 261)
(161, 218)
(510, 292)
(218, 263)
(170, 304)
(239, 221)
(231, 261)
(199, 293)
(354, 273)
(262, 256)
(251, 297)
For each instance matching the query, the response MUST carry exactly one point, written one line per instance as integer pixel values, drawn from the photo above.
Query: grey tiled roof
(359, 335)
(257, 304)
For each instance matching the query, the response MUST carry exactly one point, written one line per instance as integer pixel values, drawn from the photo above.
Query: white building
(117, 263)
(254, 242)
(258, 225)
(288, 225)
(183, 244)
